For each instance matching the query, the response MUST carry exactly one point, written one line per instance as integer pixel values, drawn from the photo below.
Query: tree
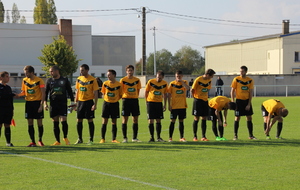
(164, 59)
(61, 54)
(7, 17)
(15, 14)
(2, 12)
(138, 70)
(52, 18)
(23, 20)
(40, 15)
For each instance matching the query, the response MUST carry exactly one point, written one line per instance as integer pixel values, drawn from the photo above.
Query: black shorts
(31, 110)
(181, 113)
(200, 107)
(58, 108)
(241, 108)
(110, 110)
(84, 110)
(6, 115)
(130, 106)
(155, 110)
(265, 113)
(212, 115)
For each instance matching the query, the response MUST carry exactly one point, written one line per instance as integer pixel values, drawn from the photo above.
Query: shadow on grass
(156, 146)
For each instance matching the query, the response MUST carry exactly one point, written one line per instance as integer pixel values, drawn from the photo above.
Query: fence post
(286, 91)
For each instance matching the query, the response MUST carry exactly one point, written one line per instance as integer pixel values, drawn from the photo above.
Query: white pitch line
(90, 170)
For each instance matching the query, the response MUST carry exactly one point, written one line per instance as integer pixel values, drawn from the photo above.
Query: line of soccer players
(157, 94)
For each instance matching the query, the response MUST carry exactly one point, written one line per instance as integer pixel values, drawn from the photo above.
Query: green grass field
(242, 164)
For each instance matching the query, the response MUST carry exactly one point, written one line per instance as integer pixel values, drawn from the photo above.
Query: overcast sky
(196, 23)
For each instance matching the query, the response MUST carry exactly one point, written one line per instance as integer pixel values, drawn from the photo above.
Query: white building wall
(291, 44)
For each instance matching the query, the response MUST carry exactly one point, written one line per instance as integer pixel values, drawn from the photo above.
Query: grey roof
(255, 39)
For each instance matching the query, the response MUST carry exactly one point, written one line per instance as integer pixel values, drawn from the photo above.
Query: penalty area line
(89, 170)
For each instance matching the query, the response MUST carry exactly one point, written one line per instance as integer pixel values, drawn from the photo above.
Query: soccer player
(156, 100)
(112, 92)
(216, 105)
(199, 90)
(6, 106)
(33, 88)
(131, 88)
(242, 89)
(177, 104)
(273, 110)
(86, 98)
(58, 88)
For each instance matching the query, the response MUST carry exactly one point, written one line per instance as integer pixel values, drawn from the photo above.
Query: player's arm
(232, 94)
(69, 90)
(268, 121)
(218, 117)
(43, 98)
(165, 101)
(94, 107)
(250, 99)
(225, 118)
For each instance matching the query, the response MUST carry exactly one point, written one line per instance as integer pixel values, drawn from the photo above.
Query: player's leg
(56, 130)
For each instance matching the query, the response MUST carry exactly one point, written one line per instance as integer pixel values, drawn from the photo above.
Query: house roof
(256, 39)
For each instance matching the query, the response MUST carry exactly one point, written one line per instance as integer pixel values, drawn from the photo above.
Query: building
(21, 45)
(271, 54)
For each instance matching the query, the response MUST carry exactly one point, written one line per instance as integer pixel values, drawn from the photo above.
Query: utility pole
(144, 41)
(154, 60)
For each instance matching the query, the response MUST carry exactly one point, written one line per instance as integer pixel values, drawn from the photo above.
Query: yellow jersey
(130, 87)
(218, 102)
(242, 87)
(273, 106)
(201, 87)
(112, 91)
(85, 87)
(156, 90)
(178, 94)
(32, 88)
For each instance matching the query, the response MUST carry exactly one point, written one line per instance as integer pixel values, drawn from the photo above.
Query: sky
(178, 23)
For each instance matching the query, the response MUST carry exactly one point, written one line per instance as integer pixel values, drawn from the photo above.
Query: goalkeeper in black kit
(58, 88)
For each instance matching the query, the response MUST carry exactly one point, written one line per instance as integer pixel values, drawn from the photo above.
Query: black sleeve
(69, 90)
(47, 89)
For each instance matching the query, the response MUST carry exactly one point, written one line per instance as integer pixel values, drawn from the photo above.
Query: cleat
(280, 138)
(136, 140)
(160, 140)
(224, 139)
(67, 141)
(41, 143)
(204, 139)
(195, 139)
(253, 138)
(102, 141)
(56, 143)
(115, 141)
(170, 140)
(9, 144)
(182, 140)
(218, 139)
(125, 140)
(90, 143)
(235, 138)
(151, 140)
(79, 141)
(268, 137)
(32, 145)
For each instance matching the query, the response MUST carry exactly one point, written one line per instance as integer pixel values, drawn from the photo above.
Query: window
(13, 74)
(297, 58)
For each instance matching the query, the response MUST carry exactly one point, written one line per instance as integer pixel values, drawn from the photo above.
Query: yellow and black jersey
(178, 94)
(85, 87)
(156, 90)
(32, 88)
(112, 91)
(201, 87)
(273, 106)
(130, 87)
(242, 87)
(219, 102)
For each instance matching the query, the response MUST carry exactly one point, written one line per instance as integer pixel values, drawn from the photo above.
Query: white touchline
(90, 170)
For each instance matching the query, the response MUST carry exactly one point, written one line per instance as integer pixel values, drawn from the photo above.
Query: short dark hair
(178, 72)
(232, 105)
(112, 72)
(55, 67)
(160, 72)
(29, 68)
(210, 72)
(129, 66)
(85, 66)
(244, 68)
(3, 73)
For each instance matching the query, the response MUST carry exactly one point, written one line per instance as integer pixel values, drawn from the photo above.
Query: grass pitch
(242, 164)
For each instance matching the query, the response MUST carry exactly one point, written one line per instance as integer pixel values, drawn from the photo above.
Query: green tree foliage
(2, 12)
(40, 15)
(138, 66)
(61, 54)
(15, 14)
(52, 18)
(23, 20)
(163, 62)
